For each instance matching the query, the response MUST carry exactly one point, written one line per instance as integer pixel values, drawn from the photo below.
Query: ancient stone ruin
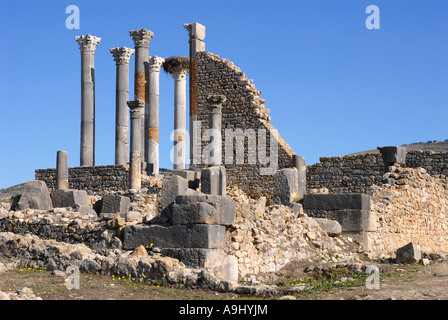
(245, 208)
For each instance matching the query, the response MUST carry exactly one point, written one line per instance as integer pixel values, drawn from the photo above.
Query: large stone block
(355, 220)
(173, 186)
(111, 203)
(409, 253)
(393, 155)
(177, 236)
(203, 213)
(213, 180)
(354, 201)
(286, 186)
(35, 195)
(69, 198)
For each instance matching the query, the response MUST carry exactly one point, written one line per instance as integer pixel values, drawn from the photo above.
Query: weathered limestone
(213, 180)
(111, 203)
(286, 186)
(409, 253)
(35, 195)
(122, 56)
(196, 33)
(392, 155)
(142, 39)
(193, 177)
(62, 170)
(69, 198)
(176, 236)
(136, 108)
(180, 119)
(299, 163)
(87, 45)
(213, 152)
(152, 121)
(173, 186)
(331, 227)
(204, 210)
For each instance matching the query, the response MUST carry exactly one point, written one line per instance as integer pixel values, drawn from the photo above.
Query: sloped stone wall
(243, 109)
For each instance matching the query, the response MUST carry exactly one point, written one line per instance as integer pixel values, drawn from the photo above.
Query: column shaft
(136, 110)
(152, 120)
(122, 56)
(180, 120)
(215, 118)
(87, 46)
(62, 170)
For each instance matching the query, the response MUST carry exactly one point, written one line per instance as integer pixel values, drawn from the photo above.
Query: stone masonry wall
(244, 109)
(413, 208)
(358, 173)
(435, 163)
(100, 179)
(349, 174)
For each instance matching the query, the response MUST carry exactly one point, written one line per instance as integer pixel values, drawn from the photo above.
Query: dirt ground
(396, 282)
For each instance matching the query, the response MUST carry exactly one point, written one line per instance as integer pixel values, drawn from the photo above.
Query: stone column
(62, 170)
(180, 118)
(196, 33)
(152, 121)
(299, 163)
(136, 110)
(141, 38)
(214, 152)
(122, 56)
(87, 45)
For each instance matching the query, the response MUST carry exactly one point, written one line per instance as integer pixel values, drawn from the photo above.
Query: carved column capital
(141, 37)
(122, 55)
(88, 43)
(136, 108)
(155, 63)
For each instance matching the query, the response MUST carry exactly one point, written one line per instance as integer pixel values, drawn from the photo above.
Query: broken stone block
(115, 204)
(69, 198)
(177, 236)
(409, 253)
(331, 227)
(193, 177)
(204, 213)
(35, 196)
(286, 186)
(213, 180)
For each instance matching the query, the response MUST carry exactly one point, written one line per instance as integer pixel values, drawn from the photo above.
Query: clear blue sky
(333, 86)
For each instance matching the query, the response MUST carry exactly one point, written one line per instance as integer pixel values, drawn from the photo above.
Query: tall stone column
(180, 118)
(142, 39)
(122, 56)
(214, 152)
(135, 161)
(62, 170)
(152, 121)
(87, 45)
(196, 33)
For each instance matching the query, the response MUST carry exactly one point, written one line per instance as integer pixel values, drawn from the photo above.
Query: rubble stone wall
(358, 173)
(414, 208)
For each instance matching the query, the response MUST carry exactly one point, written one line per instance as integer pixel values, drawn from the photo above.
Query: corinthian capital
(122, 55)
(141, 37)
(87, 43)
(155, 63)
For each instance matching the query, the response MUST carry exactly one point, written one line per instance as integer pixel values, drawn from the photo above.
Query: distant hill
(437, 146)
(14, 190)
